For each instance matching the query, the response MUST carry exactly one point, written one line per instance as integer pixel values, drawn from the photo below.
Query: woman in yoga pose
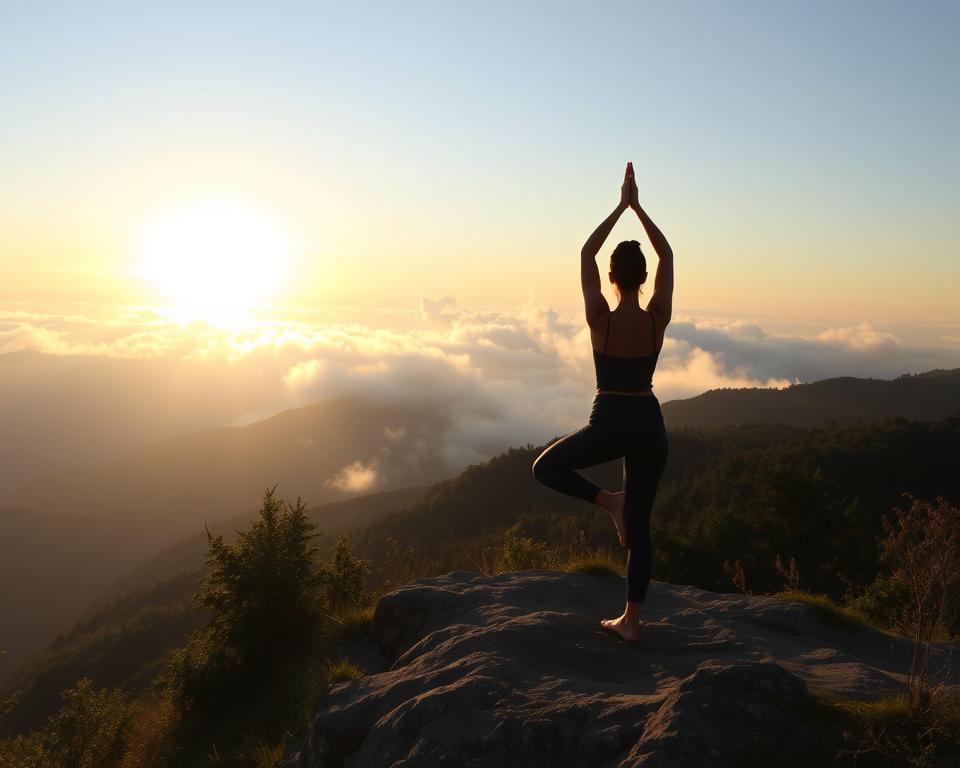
(626, 419)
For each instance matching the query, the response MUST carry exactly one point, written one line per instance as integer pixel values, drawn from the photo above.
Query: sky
(800, 157)
(416, 179)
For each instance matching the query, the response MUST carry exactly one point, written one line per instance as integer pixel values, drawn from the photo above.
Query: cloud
(860, 337)
(356, 477)
(694, 370)
(495, 377)
(745, 352)
(434, 310)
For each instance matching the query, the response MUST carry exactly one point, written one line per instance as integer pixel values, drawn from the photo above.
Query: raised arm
(595, 304)
(661, 303)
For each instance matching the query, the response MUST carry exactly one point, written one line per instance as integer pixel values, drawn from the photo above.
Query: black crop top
(625, 374)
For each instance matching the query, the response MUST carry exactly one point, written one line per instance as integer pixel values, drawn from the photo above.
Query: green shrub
(884, 601)
(206, 673)
(344, 578)
(518, 553)
(87, 732)
(263, 596)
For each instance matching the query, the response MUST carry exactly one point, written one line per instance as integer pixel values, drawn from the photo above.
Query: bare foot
(619, 625)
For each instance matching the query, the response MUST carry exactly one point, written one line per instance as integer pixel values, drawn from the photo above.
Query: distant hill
(210, 475)
(846, 400)
(52, 566)
(121, 644)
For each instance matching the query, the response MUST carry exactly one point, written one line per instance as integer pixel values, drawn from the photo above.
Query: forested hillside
(844, 401)
(737, 493)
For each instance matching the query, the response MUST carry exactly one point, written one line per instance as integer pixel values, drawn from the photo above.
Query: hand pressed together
(629, 197)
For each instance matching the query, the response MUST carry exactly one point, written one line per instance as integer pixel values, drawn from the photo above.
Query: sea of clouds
(91, 383)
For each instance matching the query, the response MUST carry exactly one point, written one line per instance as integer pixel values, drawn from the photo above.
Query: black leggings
(630, 426)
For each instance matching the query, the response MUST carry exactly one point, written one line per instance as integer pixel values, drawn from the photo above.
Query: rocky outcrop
(515, 670)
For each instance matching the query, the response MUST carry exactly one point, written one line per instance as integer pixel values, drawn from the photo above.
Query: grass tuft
(319, 676)
(828, 611)
(348, 623)
(599, 562)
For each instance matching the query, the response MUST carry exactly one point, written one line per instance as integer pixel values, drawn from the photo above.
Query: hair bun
(628, 265)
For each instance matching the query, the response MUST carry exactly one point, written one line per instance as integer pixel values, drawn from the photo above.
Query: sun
(214, 261)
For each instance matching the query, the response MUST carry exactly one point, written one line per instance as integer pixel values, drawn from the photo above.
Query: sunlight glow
(214, 261)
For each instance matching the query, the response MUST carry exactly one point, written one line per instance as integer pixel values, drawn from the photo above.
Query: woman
(626, 419)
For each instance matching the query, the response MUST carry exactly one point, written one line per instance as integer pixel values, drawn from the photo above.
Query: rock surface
(515, 670)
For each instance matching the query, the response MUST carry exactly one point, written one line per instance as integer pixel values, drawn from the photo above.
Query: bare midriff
(615, 392)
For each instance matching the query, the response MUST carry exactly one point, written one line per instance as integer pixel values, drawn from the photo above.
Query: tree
(344, 577)
(262, 593)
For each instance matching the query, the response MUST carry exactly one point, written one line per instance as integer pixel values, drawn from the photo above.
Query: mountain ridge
(842, 400)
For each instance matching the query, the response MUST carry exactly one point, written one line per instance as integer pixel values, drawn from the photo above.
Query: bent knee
(537, 469)
(540, 468)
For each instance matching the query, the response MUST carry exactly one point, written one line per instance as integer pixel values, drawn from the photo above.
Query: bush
(263, 596)
(344, 578)
(205, 674)
(87, 732)
(518, 553)
(884, 601)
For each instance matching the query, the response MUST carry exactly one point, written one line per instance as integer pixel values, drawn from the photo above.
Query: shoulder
(597, 310)
(660, 315)
(600, 320)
